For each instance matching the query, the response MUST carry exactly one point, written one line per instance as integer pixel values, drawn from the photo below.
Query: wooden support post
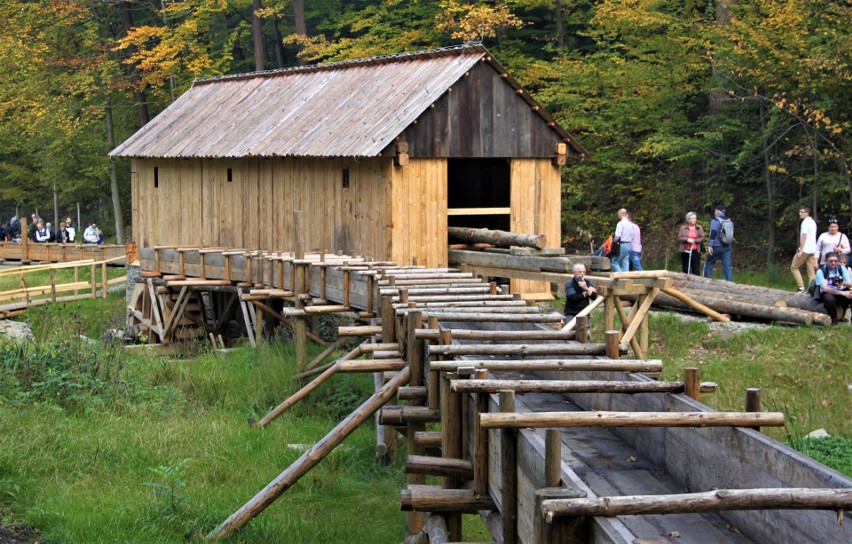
(298, 234)
(563, 530)
(451, 434)
(508, 471)
(94, 281)
(228, 268)
(300, 330)
(582, 329)
(552, 458)
(53, 285)
(433, 384)
(414, 356)
(692, 382)
(753, 402)
(104, 281)
(76, 278)
(609, 313)
(247, 320)
(612, 344)
(480, 440)
(347, 288)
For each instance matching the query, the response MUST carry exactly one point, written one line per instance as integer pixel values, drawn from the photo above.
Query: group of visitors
(691, 239)
(40, 231)
(825, 259)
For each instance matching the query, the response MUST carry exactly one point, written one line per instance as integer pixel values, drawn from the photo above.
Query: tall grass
(92, 475)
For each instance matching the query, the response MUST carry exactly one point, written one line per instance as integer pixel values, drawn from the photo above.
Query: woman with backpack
(691, 239)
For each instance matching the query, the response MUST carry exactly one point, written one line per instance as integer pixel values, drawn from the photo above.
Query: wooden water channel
(548, 435)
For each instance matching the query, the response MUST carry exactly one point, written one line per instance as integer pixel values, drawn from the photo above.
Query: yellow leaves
(777, 169)
(470, 22)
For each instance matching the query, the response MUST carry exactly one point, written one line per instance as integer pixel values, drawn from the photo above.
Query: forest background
(681, 104)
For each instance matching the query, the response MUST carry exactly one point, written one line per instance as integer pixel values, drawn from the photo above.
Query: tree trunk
(560, 26)
(499, 238)
(138, 94)
(257, 31)
(277, 44)
(113, 177)
(770, 190)
(299, 20)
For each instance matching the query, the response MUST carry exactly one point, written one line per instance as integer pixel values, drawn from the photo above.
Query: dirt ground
(20, 535)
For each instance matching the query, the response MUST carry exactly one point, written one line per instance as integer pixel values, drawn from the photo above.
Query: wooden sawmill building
(381, 155)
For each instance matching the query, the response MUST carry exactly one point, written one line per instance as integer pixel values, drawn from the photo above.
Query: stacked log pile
(496, 249)
(743, 301)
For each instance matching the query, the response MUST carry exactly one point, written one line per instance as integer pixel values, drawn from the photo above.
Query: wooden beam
(786, 498)
(539, 420)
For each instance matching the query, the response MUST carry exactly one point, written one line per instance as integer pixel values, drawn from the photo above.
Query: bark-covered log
(732, 306)
(499, 238)
(711, 501)
(539, 420)
(689, 283)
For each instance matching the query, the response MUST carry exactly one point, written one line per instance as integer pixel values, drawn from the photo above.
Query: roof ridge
(379, 59)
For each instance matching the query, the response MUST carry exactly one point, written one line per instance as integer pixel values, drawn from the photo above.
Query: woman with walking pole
(691, 237)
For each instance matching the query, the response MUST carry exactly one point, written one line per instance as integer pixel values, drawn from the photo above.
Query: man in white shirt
(806, 253)
(624, 232)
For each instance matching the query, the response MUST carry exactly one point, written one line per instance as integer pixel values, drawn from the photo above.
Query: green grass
(802, 371)
(89, 471)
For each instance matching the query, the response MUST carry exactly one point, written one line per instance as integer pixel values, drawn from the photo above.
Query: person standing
(624, 233)
(91, 234)
(833, 283)
(72, 232)
(579, 292)
(691, 237)
(719, 248)
(42, 235)
(62, 234)
(636, 245)
(806, 252)
(832, 240)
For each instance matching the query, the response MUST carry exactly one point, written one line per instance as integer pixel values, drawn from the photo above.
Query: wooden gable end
(481, 116)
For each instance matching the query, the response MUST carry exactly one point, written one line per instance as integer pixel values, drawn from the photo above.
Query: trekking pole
(689, 263)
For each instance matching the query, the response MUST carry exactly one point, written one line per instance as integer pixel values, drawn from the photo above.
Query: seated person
(833, 284)
(579, 292)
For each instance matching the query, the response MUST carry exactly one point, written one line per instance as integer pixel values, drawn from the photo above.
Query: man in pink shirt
(636, 245)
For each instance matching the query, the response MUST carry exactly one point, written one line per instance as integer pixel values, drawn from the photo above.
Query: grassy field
(108, 445)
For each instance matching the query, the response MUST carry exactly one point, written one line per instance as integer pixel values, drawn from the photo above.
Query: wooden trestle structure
(548, 436)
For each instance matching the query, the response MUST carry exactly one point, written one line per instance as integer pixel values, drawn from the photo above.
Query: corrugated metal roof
(344, 109)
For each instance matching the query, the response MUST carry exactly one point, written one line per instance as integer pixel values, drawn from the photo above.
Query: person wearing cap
(90, 235)
(716, 249)
(833, 284)
(806, 252)
(832, 240)
(691, 238)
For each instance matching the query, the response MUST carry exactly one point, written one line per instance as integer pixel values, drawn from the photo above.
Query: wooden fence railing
(36, 292)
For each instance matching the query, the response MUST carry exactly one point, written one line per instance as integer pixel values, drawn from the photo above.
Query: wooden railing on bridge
(30, 292)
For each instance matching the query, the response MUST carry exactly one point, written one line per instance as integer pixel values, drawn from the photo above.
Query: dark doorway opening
(478, 193)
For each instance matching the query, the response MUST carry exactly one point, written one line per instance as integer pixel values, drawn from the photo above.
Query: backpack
(726, 231)
(612, 247)
(813, 290)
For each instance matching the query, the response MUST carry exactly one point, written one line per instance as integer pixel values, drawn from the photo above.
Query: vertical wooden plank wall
(195, 204)
(419, 203)
(535, 208)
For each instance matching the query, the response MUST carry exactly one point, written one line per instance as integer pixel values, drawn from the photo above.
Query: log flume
(613, 440)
